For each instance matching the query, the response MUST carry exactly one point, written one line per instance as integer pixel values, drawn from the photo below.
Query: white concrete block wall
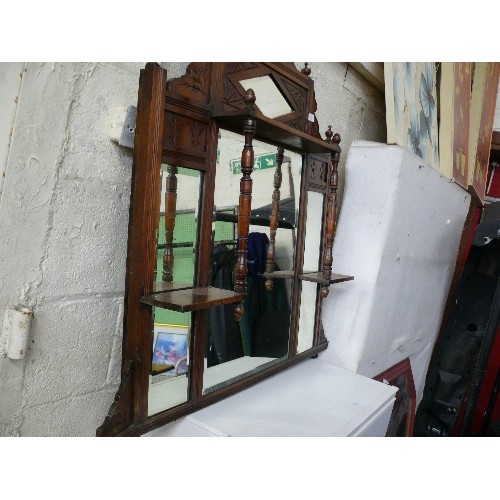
(10, 82)
(63, 229)
(63, 224)
(348, 102)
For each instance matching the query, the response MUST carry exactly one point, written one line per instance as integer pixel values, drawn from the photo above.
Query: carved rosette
(317, 175)
(170, 208)
(273, 223)
(331, 210)
(245, 203)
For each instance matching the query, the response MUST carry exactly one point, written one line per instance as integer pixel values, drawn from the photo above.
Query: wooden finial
(305, 70)
(329, 134)
(336, 139)
(249, 97)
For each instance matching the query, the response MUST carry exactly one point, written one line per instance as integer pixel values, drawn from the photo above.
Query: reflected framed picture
(403, 413)
(170, 349)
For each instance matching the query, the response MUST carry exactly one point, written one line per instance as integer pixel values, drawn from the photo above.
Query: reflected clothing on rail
(263, 329)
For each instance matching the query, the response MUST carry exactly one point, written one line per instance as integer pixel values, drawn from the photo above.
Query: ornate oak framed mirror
(232, 220)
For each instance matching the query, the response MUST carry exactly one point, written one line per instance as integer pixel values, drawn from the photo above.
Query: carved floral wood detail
(317, 175)
(297, 123)
(195, 84)
(170, 128)
(299, 97)
(185, 132)
(231, 96)
(295, 94)
(238, 66)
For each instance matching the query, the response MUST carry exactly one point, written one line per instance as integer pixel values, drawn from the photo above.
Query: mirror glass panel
(312, 246)
(237, 349)
(270, 100)
(176, 256)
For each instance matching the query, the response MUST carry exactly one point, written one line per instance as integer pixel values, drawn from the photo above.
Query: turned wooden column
(273, 220)
(170, 209)
(331, 210)
(245, 203)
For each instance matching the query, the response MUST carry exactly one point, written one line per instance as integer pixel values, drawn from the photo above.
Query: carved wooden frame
(177, 124)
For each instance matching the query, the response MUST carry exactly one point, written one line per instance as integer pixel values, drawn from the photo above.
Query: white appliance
(311, 399)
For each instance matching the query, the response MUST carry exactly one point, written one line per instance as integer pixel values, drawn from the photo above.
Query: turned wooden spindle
(305, 70)
(273, 220)
(170, 208)
(245, 203)
(331, 210)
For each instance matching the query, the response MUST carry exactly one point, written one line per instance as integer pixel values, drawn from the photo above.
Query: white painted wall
(63, 230)
(10, 83)
(352, 105)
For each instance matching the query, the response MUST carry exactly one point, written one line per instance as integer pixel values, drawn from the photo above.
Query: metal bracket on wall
(123, 126)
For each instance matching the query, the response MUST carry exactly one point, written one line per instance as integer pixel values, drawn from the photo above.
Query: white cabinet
(312, 398)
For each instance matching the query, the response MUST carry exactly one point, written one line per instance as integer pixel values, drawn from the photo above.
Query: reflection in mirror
(312, 246)
(236, 349)
(175, 264)
(270, 100)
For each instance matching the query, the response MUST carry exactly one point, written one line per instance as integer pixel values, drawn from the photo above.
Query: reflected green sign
(261, 162)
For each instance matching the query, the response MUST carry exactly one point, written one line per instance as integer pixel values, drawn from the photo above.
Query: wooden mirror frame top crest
(178, 124)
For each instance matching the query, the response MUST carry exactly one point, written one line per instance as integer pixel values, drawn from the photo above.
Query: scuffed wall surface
(11, 75)
(63, 232)
(63, 226)
(348, 102)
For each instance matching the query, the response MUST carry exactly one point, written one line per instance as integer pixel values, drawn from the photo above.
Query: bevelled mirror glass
(270, 100)
(175, 266)
(235, 349)
(312, 247)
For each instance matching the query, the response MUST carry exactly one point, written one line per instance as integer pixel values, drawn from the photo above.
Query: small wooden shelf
(164, 286)
(192, 299)
(274, 132)
(316, 277)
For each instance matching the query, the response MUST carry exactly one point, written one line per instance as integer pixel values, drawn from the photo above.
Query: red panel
(475, 221)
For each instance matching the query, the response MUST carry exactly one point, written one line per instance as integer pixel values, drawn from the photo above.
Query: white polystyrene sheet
(398, 234)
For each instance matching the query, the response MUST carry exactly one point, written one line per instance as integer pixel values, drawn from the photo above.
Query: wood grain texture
(141, 252)
(331, 216)
(192, 299)
(276, 133)
(245, 204)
